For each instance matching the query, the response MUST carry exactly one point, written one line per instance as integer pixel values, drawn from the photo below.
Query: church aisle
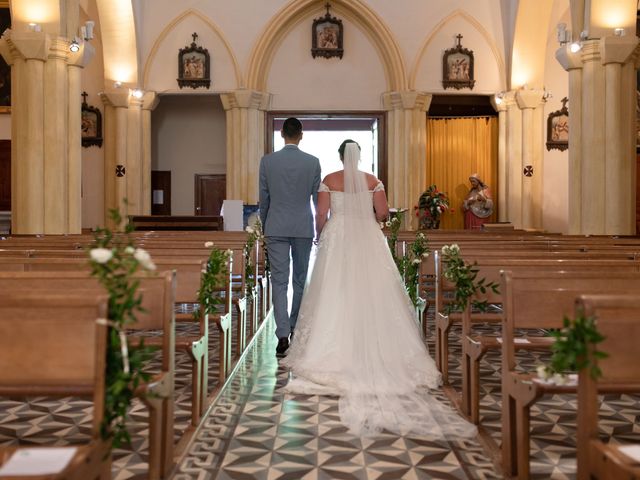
(256, 432)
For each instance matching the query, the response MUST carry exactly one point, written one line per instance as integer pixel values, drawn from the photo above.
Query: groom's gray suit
(289, 178)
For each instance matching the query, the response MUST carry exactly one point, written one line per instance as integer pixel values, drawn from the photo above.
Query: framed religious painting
(558, 128)
(194, 66)
(5, 69)
(457, 67)
(327, 36)
(91, 132)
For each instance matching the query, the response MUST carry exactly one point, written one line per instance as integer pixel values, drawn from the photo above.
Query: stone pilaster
(602, 141)
(245, 110)
(149, 103)
(501, 108)
(529, 100)
(45, 132)
(406, 148)
(513, 164)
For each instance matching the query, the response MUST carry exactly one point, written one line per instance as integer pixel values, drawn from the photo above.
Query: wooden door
(5, 175)
(211, 191)
(160, 192)
(638, 194)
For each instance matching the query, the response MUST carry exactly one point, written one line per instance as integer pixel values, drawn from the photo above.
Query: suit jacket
(288, 179)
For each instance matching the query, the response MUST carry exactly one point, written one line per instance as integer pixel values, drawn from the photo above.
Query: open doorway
(324, 132)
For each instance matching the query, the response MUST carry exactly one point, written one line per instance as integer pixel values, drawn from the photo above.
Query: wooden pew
(475, 345)
(491, 265)
(618, 320)
(53, 345)
(157, 302)
(539, 300)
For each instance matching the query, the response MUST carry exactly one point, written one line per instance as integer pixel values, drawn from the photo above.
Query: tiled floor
(257, 432)
(254, 431)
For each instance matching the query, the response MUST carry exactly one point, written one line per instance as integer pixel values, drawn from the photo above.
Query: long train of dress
(357, 336)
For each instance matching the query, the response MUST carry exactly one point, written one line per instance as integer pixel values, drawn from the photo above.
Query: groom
(289, 178)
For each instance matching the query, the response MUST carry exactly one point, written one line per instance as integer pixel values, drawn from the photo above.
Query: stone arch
(171, 25)
(355, 10)
(477, 26)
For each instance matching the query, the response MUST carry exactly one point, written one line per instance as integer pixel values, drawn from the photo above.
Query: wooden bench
(618, 320)
(157, 302)
(176, 222)
(539, 300)
(53, 345)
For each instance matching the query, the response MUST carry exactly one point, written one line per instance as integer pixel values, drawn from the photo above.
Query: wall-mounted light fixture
(575, 47)
(547, 95)
(117, 84)
(563, 35)
(137, 93)
(74, 46)
(499, 98)
(619, 32)
(34, 27)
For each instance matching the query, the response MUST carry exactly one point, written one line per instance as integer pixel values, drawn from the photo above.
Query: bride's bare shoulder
(372, 181)
(334, 180)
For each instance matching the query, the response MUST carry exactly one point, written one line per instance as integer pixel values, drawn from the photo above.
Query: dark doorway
(210, 191)
(5, 175)
(160, 192)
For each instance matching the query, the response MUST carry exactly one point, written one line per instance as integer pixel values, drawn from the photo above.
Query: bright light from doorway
(324, 145)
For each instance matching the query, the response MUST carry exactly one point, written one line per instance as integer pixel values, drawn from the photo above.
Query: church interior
(160, 111)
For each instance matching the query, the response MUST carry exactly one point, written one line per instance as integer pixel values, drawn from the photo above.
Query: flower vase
(429, 223)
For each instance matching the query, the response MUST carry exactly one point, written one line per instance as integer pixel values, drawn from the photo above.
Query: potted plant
(431, 205)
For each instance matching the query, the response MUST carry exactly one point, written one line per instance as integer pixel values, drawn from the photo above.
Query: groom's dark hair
(291, 128)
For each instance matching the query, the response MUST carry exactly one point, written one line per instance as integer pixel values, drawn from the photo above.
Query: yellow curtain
(457, 148)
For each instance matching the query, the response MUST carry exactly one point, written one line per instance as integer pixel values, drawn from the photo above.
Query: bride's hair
(343, 145)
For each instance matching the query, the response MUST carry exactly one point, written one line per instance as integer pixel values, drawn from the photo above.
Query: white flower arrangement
(208, 244)
(101, 255)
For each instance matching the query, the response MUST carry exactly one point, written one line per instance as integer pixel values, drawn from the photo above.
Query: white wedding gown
(357, 335)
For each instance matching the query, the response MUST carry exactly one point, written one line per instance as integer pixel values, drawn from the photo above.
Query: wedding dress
(356, 335)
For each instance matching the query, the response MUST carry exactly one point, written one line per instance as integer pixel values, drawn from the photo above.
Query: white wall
(188, 136)
(555, 202)
(93, 157)
(300, 82)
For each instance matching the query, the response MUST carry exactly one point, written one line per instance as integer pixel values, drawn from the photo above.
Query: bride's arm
(322, 211)
(380, 205)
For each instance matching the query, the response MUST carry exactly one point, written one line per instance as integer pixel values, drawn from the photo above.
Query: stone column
(149, 103)
(601, 138)
(615, 53)
(406, 148)
(502, 190)
(572, 62)
(513, 164)
(116, 107)
(245, 111)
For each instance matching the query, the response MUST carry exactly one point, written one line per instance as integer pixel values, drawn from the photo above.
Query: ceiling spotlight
(74, 46)
(137, 93)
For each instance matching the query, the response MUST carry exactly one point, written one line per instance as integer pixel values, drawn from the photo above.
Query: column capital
(245, 98)
(617, 49)
(115, 99)
(567, 59)
(59, 49)
(529, 98)
(150, 100)
(500, 106)
(28, 45)
(406, 100)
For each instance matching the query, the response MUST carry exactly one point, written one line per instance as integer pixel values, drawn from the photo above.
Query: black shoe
(283, 345)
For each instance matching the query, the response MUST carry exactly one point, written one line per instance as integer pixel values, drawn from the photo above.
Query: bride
(357, 336)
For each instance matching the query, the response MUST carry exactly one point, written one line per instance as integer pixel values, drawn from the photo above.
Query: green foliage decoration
(408, 264)
(466, 281)
(114, 261)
